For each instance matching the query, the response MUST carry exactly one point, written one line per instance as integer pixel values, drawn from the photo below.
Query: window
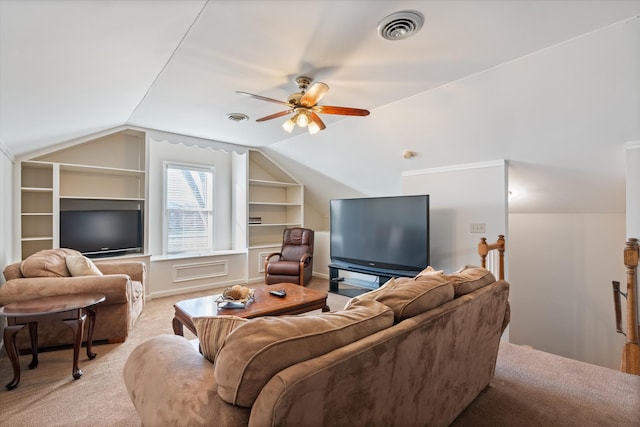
(189, 208)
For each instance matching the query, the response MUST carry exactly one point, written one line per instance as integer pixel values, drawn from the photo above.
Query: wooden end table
(71, 309)
(298, 300)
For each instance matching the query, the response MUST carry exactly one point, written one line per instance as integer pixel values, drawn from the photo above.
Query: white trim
(177, 277)
(166, 164)
(632, 145)
(159, 135)
(195, 255)
(262, 257)
(6, 152)
(453, 168)
(205, 287)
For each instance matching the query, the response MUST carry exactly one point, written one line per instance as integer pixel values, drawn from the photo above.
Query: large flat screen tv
(101, 232)
(381, 234)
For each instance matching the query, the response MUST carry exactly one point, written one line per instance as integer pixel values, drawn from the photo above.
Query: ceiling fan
(304, 107)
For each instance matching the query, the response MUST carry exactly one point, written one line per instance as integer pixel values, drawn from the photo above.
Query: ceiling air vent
(400, 25)
(237, 117)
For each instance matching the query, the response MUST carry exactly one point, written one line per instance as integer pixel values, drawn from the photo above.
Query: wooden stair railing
(631, 350)
(483, 251)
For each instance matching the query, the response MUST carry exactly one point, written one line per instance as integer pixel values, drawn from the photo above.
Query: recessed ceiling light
(400, 25)
(237, 117)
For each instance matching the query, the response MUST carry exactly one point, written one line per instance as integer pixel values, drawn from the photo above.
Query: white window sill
(187, 255)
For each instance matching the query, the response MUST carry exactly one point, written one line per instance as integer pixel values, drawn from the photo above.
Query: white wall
(561, 268)
(321, 258)
(633, 190)
(633, 198)
(226, 267)
(459, 196)
(6, 217)
(537, 112)
(6, 214)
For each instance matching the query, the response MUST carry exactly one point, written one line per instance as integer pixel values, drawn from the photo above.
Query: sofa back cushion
(254, 352)
(469, 279)
(48, 263)
(408, 297)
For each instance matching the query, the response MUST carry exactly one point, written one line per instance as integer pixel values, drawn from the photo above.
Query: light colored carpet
(49, 396)
(530, 388)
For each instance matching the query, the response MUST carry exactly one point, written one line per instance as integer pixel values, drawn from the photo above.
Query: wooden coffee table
(71, 309)
(298, 300)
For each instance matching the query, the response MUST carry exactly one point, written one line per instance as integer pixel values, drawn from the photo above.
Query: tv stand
(358, 286)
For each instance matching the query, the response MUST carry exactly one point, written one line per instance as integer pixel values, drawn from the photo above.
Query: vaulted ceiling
(73, 68)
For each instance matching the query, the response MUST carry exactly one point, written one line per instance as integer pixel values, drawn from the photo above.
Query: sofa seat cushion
(469, 278)
(47, 263)
(254, 352)
(287, 268)
(408, 297)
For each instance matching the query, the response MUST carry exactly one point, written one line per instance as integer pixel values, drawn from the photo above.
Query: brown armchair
(294, 262)
(45, 273)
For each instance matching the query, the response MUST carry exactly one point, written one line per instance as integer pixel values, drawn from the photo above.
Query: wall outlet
(478, 227)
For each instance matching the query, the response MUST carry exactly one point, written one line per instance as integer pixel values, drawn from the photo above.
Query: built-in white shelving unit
(275, 202)
(103, 170)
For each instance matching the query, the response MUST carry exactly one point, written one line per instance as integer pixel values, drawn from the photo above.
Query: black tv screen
(102, 232)
(381, 234)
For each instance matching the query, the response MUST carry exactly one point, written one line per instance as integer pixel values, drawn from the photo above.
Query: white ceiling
(73, 68)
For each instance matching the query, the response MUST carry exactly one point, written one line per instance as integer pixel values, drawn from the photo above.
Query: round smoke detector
(400, 25)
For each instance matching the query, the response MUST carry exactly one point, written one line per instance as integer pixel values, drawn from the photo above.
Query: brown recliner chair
(294, 261)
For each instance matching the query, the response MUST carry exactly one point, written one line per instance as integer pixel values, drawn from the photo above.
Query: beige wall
(561, 267)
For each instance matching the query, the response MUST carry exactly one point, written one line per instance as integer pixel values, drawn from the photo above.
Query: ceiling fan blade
(317, 120)
(315, 93)
(343, 111)
(264, 98)
(274, 116)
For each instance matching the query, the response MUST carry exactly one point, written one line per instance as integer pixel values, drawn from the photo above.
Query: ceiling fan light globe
(313, 128)
(289, 125)
(302, 120)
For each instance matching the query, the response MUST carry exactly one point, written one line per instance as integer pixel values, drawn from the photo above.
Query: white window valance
(172, 138)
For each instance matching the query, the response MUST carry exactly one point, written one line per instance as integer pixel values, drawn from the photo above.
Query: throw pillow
(213, 330)
(47, 263)
(469, 278)
(429, 271)
(79, 265)
(410, 297)
(389, 284)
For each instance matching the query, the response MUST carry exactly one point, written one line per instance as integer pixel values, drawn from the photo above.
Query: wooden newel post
(631, 350)
(484, 248)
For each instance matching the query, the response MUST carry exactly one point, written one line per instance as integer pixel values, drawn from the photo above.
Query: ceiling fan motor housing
(303, 82)
(294, 98)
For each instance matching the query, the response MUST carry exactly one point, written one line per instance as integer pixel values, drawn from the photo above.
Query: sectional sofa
(414, 352)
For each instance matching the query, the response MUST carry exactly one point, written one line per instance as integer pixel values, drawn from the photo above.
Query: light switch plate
(477, 227)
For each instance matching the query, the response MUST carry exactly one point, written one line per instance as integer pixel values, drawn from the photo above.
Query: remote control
(279, 293)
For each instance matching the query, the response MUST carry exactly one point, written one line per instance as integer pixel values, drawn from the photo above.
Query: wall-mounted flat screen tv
(381, 234)
(101, 232)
